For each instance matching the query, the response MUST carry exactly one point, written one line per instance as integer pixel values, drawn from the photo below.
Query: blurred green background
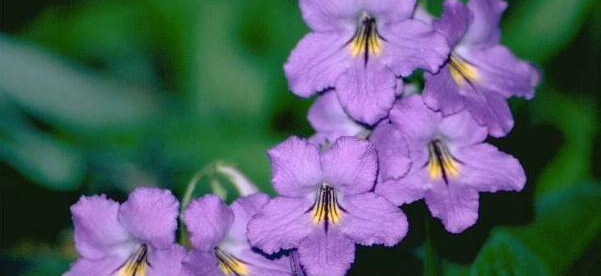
(102, 96)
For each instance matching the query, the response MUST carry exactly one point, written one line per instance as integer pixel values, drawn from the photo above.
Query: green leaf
(566, 222)
(578, 121)
(39, 157)
(67, 96)
(538, 29)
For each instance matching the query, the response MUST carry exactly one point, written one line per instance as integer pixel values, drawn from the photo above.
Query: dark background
(102, 96)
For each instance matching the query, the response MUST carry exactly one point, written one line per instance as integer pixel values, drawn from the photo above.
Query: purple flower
(325, 205)
(360, 47)
(134, 238)
(331, 122)
(218, 236)
(480, 74)
(450, 162)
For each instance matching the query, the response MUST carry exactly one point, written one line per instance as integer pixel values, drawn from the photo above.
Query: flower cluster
(379, 143)
(137, 238)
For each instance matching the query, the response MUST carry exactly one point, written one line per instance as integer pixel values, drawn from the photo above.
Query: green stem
(432, 264)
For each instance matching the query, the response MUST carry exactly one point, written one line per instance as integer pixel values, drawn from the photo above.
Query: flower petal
(454, 22)
(329, 119)
(462, 130)
(350, 165)
(441, 92)
(281, 224)
(367, 91)
(244, 209)
(329, 15)
(393, 152)
(201, 263)
(166, 262)
(484, 30)
(413, 44)
(502, 72)
(326, 254)
(150, 215)
(407, 189)
(317, 62)
(415, 121)
(370, 219)
(102, 267)
(207, 219)
(490, 170)
(98, 232)
(455, 204)
(491, 110)
(390, 11)
(295, 167)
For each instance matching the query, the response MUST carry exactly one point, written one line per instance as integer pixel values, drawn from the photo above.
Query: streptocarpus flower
(218, 236)
(325, 205)
(135, 238)
(480, 74)
(359, 47)
(451, 163)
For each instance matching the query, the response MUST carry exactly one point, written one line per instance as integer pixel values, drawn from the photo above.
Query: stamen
(440, 163)
(366, 40)
(462, 71)
(230, 265)
(137, 264)
(326, 208)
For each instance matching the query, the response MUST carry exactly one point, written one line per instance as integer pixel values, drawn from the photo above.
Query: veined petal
(415, 121)
(101, 267)
(329, 119)
(295, 167)
(454, 22)
(166, 262)
(281, 224)
(484, 30)
(456, 205)
(207, 219)
(201, 263)
(502, 73)
(329, 15)
(98, 233)
(326, 254)
(371, 219)
(490, 110)
(407, 189)
(317, 62)
(390, 11)
(367, 90)
(350, 165)
(413, 44)
(462, 130)
(490, 170)
(244, 209)
(441, 93)
(393, 153)
(150, 214)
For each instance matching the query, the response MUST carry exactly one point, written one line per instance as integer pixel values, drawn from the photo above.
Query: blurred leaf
(70, 97)
(39, 157)
(578, 121)
(504, 255)
(566, 222)
(538, 29)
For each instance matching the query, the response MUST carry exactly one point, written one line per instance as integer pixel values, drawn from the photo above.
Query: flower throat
(366, 40)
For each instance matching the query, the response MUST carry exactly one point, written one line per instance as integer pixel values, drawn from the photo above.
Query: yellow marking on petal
(230, 265)
(462, 71)
(326, 208)
(441, 165)
(137, 264)
(366, 41)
